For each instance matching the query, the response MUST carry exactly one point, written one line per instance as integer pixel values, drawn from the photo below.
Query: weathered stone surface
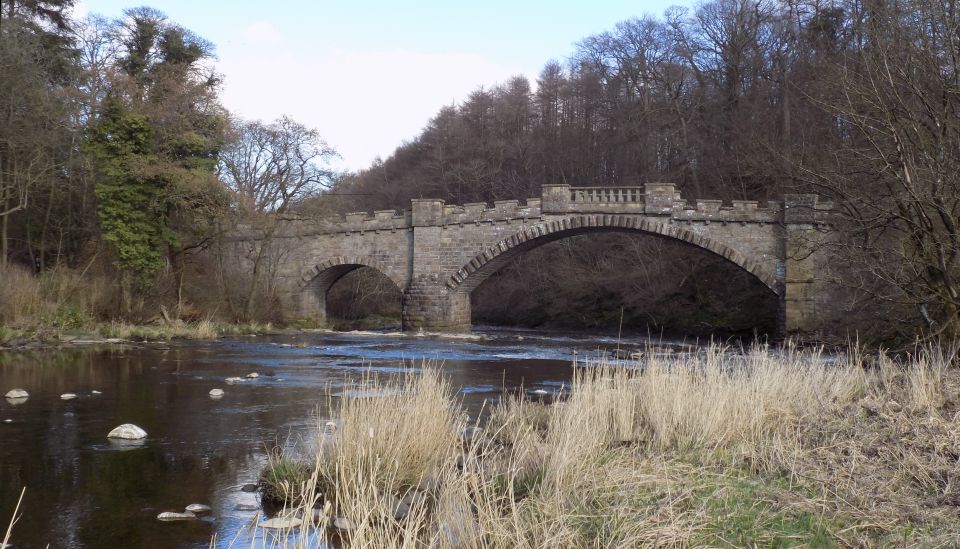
(216, 393)
(14, 394)
(127, 431)
(437, 254)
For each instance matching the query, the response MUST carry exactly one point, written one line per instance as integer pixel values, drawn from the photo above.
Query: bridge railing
(606, 195)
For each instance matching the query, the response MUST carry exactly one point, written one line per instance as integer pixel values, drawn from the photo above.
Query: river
(84, 491)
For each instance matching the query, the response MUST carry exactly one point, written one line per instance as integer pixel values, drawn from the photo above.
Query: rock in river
(128, 431)
(216, 393)
(253, 375)
(282, 523)
(168, 515)
(232, 380)
(68, 396)
(198, 508)
(15, 394)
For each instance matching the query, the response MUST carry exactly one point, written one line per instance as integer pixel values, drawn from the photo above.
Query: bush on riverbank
(764, 448)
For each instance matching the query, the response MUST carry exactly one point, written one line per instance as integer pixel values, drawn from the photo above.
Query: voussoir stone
(127, 431)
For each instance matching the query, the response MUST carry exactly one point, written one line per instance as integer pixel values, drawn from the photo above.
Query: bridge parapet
(653, 199)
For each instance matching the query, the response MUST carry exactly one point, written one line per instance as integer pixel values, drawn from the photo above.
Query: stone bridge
(437, 254)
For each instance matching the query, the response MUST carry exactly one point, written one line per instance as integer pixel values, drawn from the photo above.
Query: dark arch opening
(362, 297)
(664, 286)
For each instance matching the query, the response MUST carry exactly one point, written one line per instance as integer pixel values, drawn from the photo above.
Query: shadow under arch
(484, 264)
(316, 281)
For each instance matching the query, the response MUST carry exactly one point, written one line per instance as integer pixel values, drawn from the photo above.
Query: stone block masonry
(437, 254)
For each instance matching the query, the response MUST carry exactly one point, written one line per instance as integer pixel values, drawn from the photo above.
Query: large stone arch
(316, 281)
(484, 264)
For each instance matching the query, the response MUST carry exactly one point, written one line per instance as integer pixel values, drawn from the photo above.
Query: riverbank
(40, 337)
(766, 448)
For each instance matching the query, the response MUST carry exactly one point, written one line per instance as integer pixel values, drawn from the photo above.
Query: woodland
(120, 171)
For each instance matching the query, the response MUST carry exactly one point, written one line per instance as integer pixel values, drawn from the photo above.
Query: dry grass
(722, 449)
(60, 298)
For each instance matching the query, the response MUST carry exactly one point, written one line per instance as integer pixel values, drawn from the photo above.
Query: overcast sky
(369, 75)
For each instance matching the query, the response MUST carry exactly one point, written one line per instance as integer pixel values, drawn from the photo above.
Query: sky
(369, 75)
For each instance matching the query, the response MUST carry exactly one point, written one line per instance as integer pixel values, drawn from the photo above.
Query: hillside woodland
(120, 171)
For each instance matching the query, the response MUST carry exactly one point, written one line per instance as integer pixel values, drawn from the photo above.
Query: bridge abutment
(802, 275)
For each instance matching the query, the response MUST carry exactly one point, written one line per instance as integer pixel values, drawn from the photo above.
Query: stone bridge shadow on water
(437, 254)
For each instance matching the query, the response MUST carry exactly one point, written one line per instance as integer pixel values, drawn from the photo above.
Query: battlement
(653, 199)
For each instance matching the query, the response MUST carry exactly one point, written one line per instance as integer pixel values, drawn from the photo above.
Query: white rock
(16, 393)
(282, 523)
(468, 434)
(232, 380)
(128, 431)
(216, 393)
(8, 420)
(168, 515)
(198, 508)
(95, 392)
(68, 396)
(253, 375)
(540, 392)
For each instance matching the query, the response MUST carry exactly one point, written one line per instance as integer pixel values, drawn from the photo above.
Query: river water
(84, 491)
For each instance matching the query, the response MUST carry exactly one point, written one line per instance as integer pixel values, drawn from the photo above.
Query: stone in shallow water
(169, 515)
(13, 394)
(248, 488)
(198, 508)
(95, 392)
(232, 380)
(282, 523)
(68, 396)
(8, 421)
(253, 375)
(246, 507)
(127, 431)
(216, 393)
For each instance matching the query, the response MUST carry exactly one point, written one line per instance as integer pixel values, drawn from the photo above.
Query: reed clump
(751, 448)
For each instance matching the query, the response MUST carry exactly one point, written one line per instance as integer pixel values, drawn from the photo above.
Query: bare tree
(895, 172)
(270, 166)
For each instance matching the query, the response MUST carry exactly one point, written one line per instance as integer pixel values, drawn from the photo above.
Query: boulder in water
(198, 508)
(68, 396)
(14, 394)
(127, 431)
(282, 523)
(169, 515)
(253, 375)
(216, 393)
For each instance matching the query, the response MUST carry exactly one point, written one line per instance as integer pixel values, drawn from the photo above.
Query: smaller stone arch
(477, 269)
(341, 265)
(315, 282)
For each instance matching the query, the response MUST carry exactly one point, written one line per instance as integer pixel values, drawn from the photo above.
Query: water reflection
(84, 490)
